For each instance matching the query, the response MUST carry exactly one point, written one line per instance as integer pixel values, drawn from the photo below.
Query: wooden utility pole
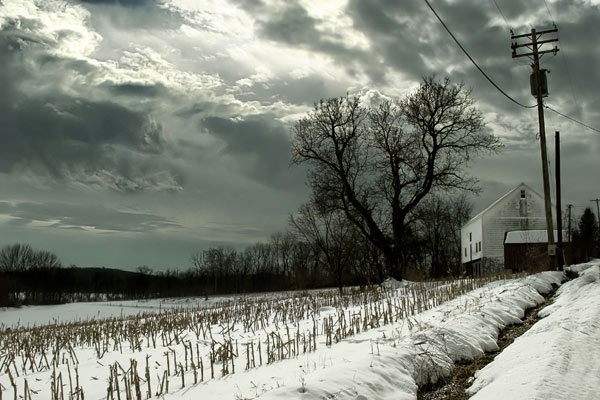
(597, 210)
(569, 206)
(559, 250)
(539, 89)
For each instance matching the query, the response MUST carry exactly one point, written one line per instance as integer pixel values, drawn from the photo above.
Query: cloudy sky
(138, 132)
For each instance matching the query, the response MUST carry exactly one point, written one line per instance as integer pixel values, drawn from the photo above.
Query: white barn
(482, 237)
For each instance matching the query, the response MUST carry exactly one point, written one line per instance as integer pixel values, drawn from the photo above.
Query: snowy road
(559, 357)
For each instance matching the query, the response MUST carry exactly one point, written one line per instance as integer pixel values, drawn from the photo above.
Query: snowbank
(392, 283)
(559, 357)
(391, 363)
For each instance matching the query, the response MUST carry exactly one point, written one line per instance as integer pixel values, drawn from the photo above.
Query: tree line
(315, 252)
(584, 236)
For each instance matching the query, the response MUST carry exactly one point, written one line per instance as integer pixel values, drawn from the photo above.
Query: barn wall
(470, 234)
(530, 257)
(509, 213)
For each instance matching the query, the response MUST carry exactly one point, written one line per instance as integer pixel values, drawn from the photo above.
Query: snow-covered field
(28, 316)
(376, 357)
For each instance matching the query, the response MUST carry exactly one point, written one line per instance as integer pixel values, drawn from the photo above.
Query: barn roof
(518, 187)
(531, 236)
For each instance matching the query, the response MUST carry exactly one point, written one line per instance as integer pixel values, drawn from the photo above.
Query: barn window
(522, 194)
(465, 251)
(470, 237)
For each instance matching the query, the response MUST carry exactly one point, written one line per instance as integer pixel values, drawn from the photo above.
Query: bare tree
(377, 164)
(439, 220)
(283, 244)
(331, 235)
(16, 257)
(197, 263)
(43, 259)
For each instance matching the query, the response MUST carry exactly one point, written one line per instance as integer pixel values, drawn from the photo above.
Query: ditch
(454, 386)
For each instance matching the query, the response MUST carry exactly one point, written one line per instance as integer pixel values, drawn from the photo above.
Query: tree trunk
(394, 263)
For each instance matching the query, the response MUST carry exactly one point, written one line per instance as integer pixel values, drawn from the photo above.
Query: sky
(138, 132)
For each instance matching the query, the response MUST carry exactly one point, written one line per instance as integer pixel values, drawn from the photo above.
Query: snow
(531, 236)
(394, 283)
(28, 316)
(559, 356)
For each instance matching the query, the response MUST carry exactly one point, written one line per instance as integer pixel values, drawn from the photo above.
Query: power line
(473, 61)
(522, 63)
(490, 79)
(571, 118)
(565, 63)
(503, 17)
(549, 13)
(570, 80)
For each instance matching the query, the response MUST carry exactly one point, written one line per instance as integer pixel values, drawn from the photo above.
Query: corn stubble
(189, 346)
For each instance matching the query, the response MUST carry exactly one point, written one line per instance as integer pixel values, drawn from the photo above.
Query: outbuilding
(482, 237)
(527, 251)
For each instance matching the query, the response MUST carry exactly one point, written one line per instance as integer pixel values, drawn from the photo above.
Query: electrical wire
(570, 81)
(549, 13)
(503, 17)
(473, 61)
(562, 55)
(571, 118)
(519, 61)
(490, 79)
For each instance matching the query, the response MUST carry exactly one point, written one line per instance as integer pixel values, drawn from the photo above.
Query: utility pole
(539, 89)
(570, 206)
(597, 210)
(559, 251)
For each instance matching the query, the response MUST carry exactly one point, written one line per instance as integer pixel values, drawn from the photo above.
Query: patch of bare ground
(454, 387)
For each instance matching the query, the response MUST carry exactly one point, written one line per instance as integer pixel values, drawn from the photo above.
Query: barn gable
(482, 237)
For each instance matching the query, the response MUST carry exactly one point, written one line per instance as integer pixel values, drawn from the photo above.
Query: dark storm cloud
(412, 41)
(71, 137)
(73, 216)
(512, 9)
(294, 26)
(135, 89)
(260, 145)
(54, 133)
(377, 16)
(397, 31)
